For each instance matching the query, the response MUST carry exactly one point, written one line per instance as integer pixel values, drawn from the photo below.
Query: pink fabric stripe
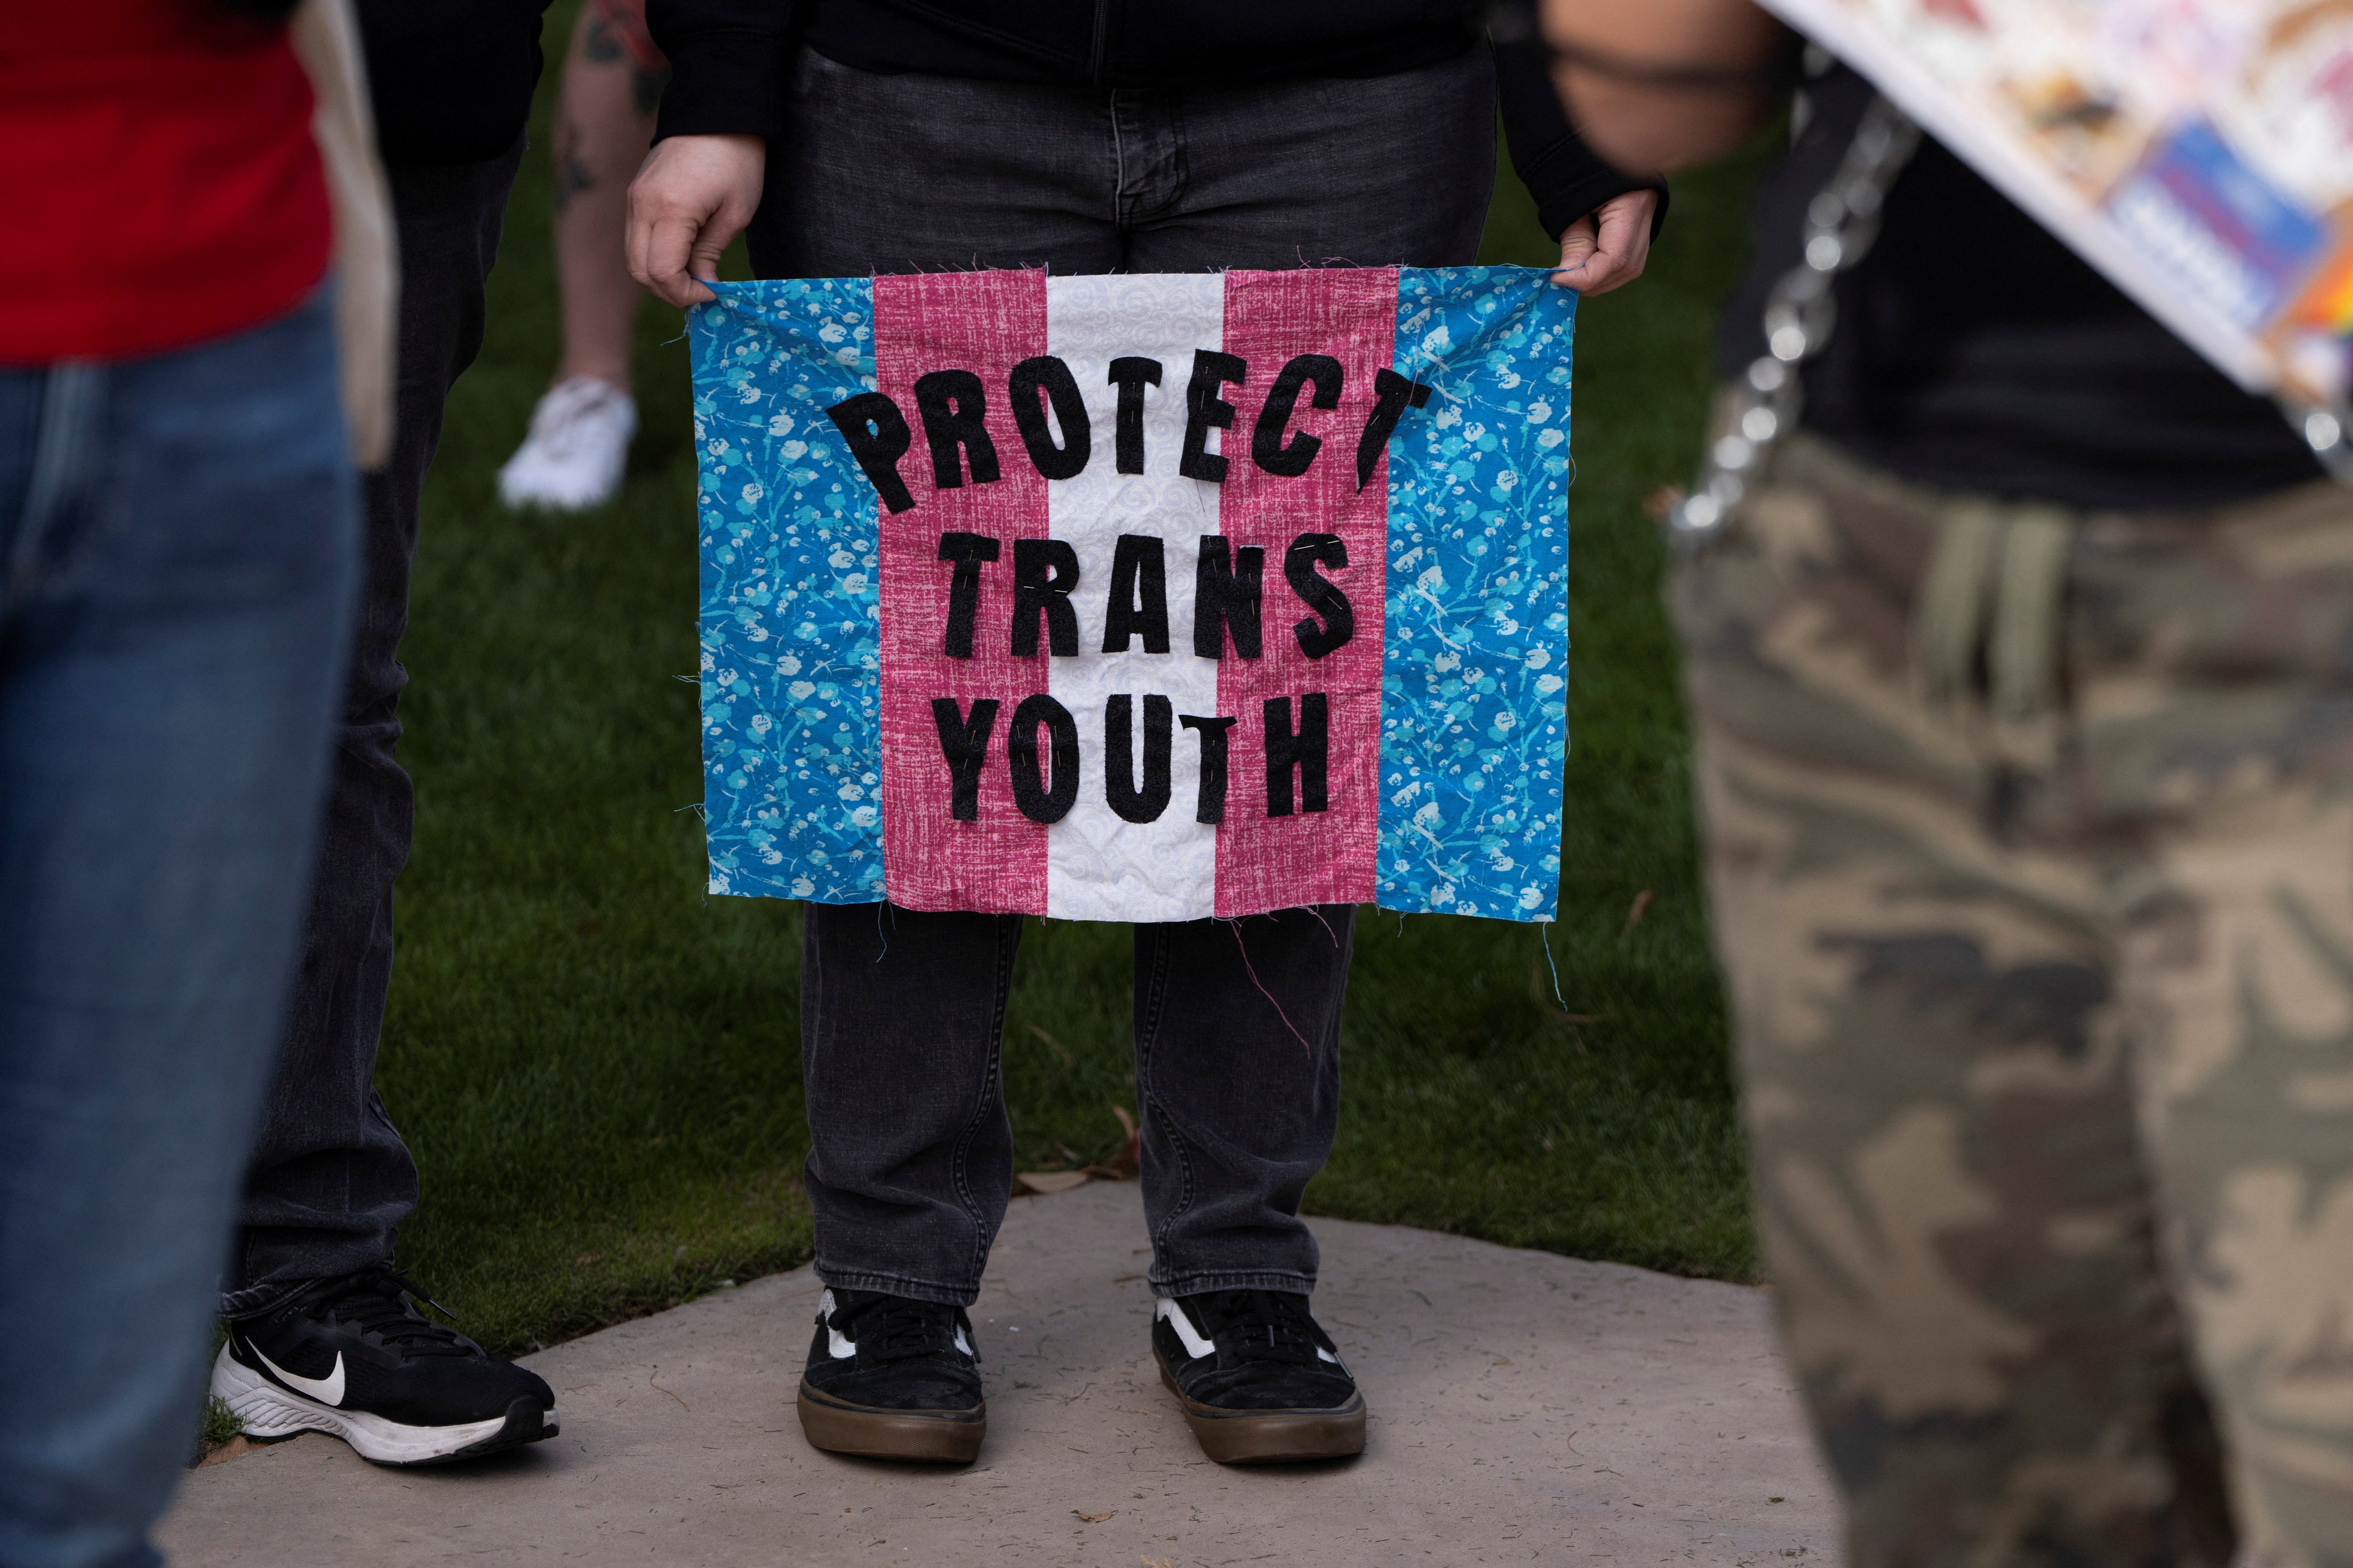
(1269, 863)
(984, 323)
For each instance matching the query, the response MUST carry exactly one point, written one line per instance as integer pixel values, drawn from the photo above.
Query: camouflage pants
(2030, 852)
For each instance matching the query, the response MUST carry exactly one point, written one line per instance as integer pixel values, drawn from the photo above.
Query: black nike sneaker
(352, 1356)
(1261, 1382)
(893, 1379)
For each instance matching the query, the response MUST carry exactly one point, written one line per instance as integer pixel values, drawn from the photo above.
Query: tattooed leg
(605, 122)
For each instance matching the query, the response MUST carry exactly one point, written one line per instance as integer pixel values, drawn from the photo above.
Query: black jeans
(1237, 1022)
(330, 1180)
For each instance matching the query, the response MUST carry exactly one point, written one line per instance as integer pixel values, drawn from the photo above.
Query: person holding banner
(2020, 671)
(860, 137)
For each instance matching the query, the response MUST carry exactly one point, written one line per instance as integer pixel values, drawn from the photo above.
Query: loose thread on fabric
(881, 937)
(1250, 969)
(1326, 925)
(1544, 934)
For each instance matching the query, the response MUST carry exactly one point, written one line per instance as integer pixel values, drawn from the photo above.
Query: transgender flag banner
(1138, 598)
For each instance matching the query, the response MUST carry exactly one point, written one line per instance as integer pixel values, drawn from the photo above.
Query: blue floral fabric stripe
(791, 620)
(1474, 719)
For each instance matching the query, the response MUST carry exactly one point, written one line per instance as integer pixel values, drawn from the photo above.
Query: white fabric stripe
(1099, 867)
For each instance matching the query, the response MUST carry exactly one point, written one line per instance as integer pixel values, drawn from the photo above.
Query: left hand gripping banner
(1138, 598)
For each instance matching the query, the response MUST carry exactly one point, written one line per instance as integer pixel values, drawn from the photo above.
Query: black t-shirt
(1975, 352)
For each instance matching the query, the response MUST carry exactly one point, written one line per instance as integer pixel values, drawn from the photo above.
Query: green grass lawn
(597, 1065)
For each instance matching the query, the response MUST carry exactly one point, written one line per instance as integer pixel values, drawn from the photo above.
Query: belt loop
(73, 399)
(2022, 655)
(1955, 600)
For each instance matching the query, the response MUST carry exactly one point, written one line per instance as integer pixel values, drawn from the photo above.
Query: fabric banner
(1138, 598)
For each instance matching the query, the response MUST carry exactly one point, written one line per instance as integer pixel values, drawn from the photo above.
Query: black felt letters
(1267, 448)
(1211, 807)
(952, 403)
(1044, 573)
(1319, 593)
(967, 551)
(1050, 414)
(1050, 377)
(1045, 777)
(1308, 750)
(1039, 800)
(1132, 374)
(1127, 802)
(1205, 411)
(878, 437)
(1139, 595)
(1226, 595)
(964, 743)
(1391, 394)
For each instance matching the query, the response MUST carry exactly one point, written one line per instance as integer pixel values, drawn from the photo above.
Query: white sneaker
(578, 445)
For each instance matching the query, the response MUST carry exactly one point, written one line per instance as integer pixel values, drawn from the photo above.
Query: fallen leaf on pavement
(1123, 1165)
(1093, 1518)
(1044, 1182)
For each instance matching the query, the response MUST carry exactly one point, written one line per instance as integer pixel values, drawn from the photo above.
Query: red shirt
(158, 182)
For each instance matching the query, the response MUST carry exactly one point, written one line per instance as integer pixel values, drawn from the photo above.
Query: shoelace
(1263, 1325)
(893, 1328)
(375, 1302)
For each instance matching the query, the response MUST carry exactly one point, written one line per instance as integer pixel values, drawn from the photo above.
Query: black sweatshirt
(728, 61)
(451, 79)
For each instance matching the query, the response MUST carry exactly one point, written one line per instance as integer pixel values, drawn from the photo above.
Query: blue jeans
(175, 581)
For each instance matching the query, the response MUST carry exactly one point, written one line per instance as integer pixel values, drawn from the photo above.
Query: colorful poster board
(2200, 152)
(1137, 597)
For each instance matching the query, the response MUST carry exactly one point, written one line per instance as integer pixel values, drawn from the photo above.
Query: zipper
(1099, 46)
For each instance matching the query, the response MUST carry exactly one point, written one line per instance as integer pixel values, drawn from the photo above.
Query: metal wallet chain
(1841, 222)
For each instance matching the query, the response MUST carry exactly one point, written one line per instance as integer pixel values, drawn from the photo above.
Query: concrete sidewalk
(1524, 1408)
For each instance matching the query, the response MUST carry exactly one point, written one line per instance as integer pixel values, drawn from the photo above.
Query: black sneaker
(352, 1356)
(893, 1379)
(1261, 1382)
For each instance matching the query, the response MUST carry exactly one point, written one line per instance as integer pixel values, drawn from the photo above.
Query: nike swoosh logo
(327, 1390)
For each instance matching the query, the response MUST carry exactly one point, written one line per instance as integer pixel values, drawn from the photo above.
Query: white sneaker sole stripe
(1176, 1317)
(269, 1411)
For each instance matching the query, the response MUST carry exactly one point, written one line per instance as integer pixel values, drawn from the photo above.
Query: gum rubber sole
(1272, 1437)
(948, 1437)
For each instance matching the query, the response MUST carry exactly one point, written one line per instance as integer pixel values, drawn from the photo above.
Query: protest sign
(2200, 152)
(1148, 597)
